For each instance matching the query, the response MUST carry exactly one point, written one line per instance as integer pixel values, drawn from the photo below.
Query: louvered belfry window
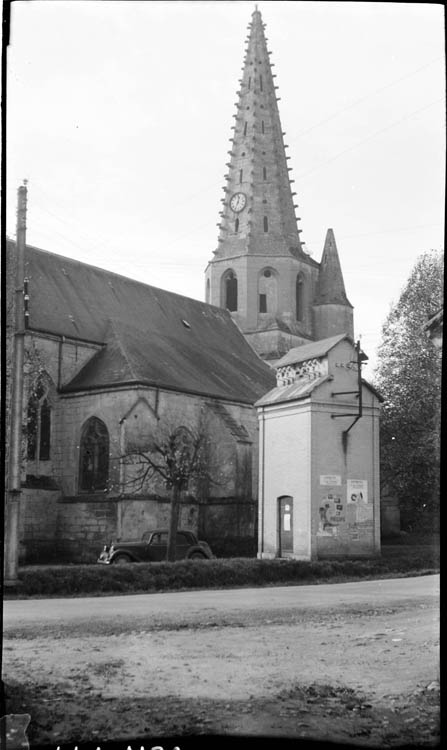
(94, 456)
(230, 291)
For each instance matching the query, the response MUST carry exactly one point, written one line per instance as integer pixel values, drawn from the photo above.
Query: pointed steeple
(332, 311)
(331, 287)
(277, 294)
(258, 214)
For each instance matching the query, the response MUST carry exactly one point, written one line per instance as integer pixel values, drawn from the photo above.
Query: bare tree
(180, 456)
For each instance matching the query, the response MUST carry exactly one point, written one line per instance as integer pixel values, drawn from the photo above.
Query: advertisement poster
(357, 491)
(331, 515)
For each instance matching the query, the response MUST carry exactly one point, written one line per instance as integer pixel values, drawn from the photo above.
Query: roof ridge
(314, 349)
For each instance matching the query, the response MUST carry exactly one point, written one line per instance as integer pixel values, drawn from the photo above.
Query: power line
(370, 137)
(364, 98)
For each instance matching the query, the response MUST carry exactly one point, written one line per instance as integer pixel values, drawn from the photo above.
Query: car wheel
(197, 556)
(122, 560)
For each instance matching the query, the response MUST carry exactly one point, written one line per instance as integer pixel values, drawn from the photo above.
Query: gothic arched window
(94, 456)
(299, 297)
(230, 291)
(38, 423)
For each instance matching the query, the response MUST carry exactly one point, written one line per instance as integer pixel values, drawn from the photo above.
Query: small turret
(333, 313)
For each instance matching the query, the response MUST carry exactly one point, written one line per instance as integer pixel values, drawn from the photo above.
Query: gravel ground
(348, 674)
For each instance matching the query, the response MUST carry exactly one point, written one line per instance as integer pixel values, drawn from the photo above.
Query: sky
(119, 116)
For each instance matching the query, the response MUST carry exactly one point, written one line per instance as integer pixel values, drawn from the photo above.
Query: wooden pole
(12, 510)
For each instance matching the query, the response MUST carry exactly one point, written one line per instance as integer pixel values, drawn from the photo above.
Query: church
(109, 361)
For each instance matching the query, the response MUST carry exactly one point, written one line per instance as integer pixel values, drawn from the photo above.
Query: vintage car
(152, 548)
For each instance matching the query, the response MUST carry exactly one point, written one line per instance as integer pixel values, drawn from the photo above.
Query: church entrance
(285, 526)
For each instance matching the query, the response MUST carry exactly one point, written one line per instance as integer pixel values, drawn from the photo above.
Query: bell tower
(260, 271)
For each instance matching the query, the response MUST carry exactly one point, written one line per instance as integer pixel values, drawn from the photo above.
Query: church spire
(258, 214)
(259, 271)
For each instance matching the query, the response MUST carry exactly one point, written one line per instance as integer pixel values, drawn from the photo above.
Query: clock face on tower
(237, 202)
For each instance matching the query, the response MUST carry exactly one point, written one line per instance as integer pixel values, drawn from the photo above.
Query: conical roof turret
(258, 215)
(331, 287)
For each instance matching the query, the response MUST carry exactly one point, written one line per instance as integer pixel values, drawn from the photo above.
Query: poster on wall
(357, 491)
(331, 515)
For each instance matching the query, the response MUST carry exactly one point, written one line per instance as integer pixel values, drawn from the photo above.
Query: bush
(78, 580)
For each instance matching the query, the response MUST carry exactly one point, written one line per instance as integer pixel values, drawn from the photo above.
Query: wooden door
(285, 523)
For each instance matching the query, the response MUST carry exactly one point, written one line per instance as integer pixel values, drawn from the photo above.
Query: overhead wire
(369, 138)
(98, 242)
(364, 98)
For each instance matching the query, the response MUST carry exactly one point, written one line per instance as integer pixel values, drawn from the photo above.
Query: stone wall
(61, 522)
(38, 525)
(82, 528)
(74, 529)
(248, 270)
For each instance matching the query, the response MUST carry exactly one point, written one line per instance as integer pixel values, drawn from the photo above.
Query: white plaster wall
(285, 470)
(360, 460)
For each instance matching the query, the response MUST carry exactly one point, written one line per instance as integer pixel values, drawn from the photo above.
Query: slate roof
(311, 351)
(300, 389)
(330, 286)
(150, 336)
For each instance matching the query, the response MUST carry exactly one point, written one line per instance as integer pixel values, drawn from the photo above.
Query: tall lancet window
(94, 456)
(38, 423)
(230, 291)
(299, 297)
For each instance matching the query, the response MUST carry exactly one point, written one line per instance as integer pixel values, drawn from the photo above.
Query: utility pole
(12, 510)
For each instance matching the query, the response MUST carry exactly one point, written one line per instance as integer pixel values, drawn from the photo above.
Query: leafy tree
(409, 377)
(180, 456)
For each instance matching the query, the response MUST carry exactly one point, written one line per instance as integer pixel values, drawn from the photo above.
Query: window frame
(93, 486)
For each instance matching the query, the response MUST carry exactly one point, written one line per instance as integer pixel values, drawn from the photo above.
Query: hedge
(81, 580)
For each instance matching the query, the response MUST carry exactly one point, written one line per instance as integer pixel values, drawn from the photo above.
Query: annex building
(110, 360)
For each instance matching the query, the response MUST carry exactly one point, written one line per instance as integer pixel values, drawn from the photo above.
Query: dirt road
(354, 663)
